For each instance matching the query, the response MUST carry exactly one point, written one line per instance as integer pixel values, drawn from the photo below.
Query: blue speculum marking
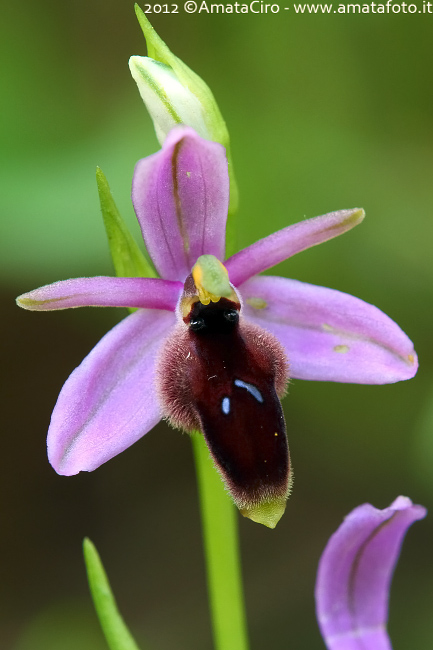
(226, 405)
(251, 389)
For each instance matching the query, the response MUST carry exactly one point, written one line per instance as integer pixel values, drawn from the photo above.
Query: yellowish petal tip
(353, 218)
(358, 215)
(37, 305)
(25, 303)
(268, 513)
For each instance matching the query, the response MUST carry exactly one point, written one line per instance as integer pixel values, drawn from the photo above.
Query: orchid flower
(355, 572)
(158, 361)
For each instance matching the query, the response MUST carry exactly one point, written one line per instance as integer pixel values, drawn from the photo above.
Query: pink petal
(355, 572)
(109, 401)
(282, 244)
(181, 197)
(329, 335)
(152, 293)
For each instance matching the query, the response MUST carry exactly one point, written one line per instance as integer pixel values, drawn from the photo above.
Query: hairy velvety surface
(225, 380)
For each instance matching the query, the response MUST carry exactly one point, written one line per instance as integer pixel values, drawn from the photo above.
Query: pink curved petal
(151, 293)
(329, 335)
(282, 244)
(181, 197)
(109, 401)
(355, 572)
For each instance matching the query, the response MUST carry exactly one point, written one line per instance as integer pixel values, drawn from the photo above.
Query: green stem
(221, 544)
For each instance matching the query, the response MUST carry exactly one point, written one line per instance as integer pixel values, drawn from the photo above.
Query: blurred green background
(325, 112)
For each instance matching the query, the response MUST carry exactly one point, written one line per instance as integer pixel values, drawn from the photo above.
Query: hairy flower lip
(222, 375)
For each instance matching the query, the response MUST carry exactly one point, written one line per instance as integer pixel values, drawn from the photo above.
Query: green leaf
(116, 633)
(128, 260)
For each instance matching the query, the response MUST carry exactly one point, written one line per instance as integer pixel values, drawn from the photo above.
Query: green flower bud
(167, 100)
(174, 94)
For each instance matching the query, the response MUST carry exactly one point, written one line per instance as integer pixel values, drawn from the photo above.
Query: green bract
(127, 258)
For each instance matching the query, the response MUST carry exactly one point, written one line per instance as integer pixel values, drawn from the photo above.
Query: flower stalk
(221, 548)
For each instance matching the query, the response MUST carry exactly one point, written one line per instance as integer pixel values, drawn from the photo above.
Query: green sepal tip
(116, 633)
